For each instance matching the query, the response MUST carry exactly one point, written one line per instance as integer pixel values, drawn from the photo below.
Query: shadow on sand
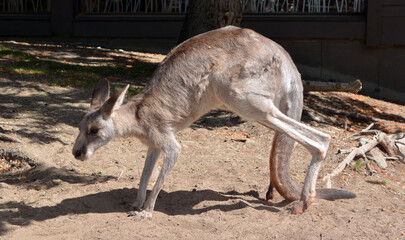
(173, 203)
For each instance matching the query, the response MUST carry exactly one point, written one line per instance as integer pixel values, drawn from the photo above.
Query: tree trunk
(206, 15)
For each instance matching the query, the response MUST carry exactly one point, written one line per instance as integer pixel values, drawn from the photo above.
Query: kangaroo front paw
(141, 214)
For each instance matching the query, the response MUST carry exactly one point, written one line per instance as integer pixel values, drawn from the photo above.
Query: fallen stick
(361, 151)
(381, 138)
(353, 87)
(366, 131)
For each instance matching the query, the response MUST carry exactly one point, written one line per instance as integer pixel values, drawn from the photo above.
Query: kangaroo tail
(333, 194)
(281, 178)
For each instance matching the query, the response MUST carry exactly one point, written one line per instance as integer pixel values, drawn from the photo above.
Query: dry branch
(377, 156)
(399, 146)
(361, 151)
(394, 145)
(353, 87)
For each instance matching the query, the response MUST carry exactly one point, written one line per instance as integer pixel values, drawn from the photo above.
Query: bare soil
(216, 190)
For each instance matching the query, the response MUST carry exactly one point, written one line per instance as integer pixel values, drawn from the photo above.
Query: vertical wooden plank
(62, 17)
(374, 23)
(393, 22)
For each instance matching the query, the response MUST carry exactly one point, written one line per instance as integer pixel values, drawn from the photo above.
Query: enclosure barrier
(180, 6)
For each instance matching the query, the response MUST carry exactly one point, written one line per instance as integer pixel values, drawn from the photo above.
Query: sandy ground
(216, 190)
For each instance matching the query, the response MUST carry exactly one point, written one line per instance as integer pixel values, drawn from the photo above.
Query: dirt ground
(216, 190)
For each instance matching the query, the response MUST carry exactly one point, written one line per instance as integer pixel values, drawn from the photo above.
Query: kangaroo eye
(94, 131)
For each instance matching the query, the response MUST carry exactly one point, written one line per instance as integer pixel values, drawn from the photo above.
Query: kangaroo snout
(77, 153)
(80, 154)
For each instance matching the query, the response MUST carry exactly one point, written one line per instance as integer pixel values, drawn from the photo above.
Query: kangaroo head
(97, 127)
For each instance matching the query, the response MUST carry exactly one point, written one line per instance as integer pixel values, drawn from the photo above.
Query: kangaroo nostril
(78, 153)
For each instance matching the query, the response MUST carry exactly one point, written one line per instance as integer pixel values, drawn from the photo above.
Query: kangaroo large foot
(302, 205)
(299, 207)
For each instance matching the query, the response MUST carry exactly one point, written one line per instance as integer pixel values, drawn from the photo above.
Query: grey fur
(230, 68)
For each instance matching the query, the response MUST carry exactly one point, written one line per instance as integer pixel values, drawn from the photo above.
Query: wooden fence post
(374, 26)
(62, 17)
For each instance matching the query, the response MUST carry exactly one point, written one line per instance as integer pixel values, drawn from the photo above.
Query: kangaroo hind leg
(315, 142)
(262, 109)
(281, 150)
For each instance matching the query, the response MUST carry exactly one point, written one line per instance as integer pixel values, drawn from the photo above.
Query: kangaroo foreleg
(150, 162)
(171, 151)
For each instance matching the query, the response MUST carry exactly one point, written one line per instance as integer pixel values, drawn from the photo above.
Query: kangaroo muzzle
(80, 150)
(81, 154)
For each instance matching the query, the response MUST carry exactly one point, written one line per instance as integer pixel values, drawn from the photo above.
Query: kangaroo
(229, 68)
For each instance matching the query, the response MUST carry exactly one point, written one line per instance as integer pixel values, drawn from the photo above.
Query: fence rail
(133, 6)
(25, 6)
(303, 6)
(249, 6)
(180, 6)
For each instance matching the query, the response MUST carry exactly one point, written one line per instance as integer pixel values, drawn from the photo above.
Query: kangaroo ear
(113, 103)
(100, 94)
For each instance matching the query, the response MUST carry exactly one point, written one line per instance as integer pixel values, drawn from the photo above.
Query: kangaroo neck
(124, 120)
